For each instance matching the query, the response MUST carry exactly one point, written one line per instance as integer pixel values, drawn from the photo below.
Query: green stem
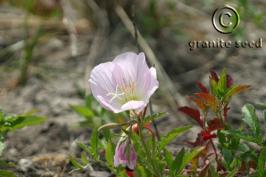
(149, 157)
(154, 123)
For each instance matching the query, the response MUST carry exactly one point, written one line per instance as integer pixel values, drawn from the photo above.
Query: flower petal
(147, 81)
(153, 72)
(125, 155)
(101, 84)
(128, 63)
(133, 105)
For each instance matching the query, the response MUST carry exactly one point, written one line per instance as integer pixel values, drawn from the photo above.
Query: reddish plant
(212, 103)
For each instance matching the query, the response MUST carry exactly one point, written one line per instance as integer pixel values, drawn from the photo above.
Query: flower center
(124, 93)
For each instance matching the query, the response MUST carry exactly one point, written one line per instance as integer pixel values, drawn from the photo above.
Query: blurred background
(48, 47)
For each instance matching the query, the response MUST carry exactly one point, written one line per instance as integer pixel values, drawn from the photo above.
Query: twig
(10, 50)
(34, 22)
(99, 41)
(136, 39)
(68, 22)
(167, 86)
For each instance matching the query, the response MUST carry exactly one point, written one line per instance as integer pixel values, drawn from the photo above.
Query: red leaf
(209, 100)
(198, 102)
(226, 109)
(202, 87)
(236, 90)
(202, 138)
(193, 113)
(215, 124)
(214, 76)
(206, 135)
(229, 81)
(129, 172)
(198, 142)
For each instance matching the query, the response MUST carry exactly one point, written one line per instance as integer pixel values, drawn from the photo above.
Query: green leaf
(84, 147)
(213, 172)
(83, 111)
(6, 173)
(172, 135)
(2, 147)
(264, 115)
(84, 158)
(28, 120)
(94, 144)
(228, 156)
(140, 151)
(222, 83)
(4, 164)
(188, 157)
(241, 135)
(168, 157)
(154, 117)
(232, 173)
(251, 119)
(214, 87)
(109, 154)
(140, 171)
(112, 125)
(261, 162)
(235, 90)
(76, 164)
(88, 101)
(178, 162)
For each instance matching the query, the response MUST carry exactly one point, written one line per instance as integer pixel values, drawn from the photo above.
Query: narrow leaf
(213, 172)
(82, 110)
(76, 164)
(202, 87)
(235, 90)
(168, 157)
(154, 117)
(28, 120)
(222, 82)
(94, 144)
(250, 118)
(208, 99)
(261, 163)
(110, 126)
(229, 81)
(172, 135)
(232, 173)
(199, 103)
(225, 111)
(214, 76)
(2, 147)
(189, 156)
(109, 154)
(178, 162)
(264, 115)
(215, 124)
(6, 173)
(193, 113)
(84, 147)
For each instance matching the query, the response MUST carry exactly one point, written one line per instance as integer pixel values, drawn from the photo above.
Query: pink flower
(126, 83)
(125, 155)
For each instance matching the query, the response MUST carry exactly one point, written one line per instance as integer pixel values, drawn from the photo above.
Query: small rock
(25, 164)
(99, 174)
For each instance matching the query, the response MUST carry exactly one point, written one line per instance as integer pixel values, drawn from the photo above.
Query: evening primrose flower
(125, 155)
(126, 83)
